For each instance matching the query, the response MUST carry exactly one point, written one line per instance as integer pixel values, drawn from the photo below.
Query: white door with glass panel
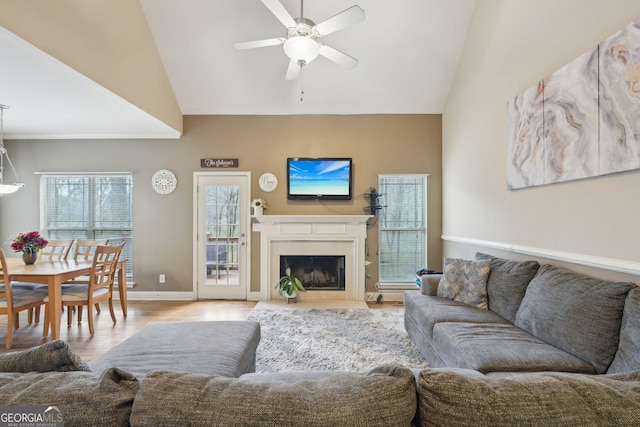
(222, 238)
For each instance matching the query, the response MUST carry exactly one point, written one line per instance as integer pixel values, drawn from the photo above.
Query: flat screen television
(319, 179)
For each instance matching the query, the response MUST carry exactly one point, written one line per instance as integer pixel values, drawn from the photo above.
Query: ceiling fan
(301, 44)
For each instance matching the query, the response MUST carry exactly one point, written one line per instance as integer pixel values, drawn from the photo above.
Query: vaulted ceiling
(122, 69)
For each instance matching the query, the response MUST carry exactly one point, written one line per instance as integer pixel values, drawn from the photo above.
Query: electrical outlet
(162, 278)
(369, 297)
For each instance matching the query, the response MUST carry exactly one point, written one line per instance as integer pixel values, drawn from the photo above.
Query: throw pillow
(447, 398)
(628, 355)
(386, 396)
(578, 314)
(465, 281)
(53, 356)
(507, 284)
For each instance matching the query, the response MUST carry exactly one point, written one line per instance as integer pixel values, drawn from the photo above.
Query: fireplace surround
(313, 235)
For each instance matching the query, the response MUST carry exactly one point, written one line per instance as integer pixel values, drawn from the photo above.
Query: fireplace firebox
(316, 272)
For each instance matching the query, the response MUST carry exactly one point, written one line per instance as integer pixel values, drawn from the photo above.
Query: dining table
(54, 274)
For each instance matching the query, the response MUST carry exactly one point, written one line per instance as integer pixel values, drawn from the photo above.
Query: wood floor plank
(139, 315)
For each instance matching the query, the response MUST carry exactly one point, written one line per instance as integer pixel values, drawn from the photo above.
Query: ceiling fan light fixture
(301, 49)
(300, 44)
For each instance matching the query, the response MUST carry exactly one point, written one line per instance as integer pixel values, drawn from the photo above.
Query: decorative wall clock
(164, 181)
(268, 182)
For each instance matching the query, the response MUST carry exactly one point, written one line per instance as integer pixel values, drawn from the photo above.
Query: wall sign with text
(218, 163)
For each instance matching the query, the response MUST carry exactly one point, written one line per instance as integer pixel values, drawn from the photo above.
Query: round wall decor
(164, 181)
(268, 182)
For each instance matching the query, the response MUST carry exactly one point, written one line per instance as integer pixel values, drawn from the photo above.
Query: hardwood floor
(140, 314)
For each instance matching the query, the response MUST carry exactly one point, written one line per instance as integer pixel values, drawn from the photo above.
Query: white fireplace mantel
(313, 235)
(312, 219)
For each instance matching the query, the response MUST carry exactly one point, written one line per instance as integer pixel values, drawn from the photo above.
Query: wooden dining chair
(84, 251)
(56, 250)
(12, 303)
(99, 288)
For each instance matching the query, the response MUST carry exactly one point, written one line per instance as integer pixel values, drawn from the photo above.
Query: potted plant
(29, 244)
(258, 206)
(289, 286)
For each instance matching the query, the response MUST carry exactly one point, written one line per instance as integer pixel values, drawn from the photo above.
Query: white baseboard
(254, 296)
(171, 296)
(159, 296)
(391, 291)
(395, 296)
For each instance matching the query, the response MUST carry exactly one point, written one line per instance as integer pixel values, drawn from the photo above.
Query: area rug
(332, 339)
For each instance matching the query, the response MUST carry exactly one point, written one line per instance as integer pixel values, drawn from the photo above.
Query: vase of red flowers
(29, 244)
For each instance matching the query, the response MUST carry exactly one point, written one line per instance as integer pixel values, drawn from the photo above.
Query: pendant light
(6, 188)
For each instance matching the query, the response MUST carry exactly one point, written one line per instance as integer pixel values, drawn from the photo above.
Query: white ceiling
(408, 52)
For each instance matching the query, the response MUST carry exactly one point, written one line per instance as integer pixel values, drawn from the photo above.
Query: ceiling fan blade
(337, 56)
(280, 12)
(342, 20)
(259, 43)
(293, 71)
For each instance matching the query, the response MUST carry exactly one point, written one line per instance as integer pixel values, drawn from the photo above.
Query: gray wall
(511, 45)
(163, 225)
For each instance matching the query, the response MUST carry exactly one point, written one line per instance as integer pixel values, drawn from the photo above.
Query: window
(402, 232)
(86, 206)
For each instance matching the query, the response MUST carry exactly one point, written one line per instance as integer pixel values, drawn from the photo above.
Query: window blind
(86, 206)
(402, 227)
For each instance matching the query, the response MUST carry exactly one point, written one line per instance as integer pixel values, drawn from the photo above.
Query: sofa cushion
(231, 349)
(628, 355)
(425, 312)
(452, 399)
(500, 347)
(507, 284)
(52, 356)
(465, 281)
(86, 399)
(290, 377)
(385, 396)
(578, 314)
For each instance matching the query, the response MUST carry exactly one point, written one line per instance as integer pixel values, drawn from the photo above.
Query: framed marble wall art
(571, 120)
(581, 121)
(620, 101)
(525, 152)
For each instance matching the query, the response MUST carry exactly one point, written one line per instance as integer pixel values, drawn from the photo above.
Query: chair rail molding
(611, 264)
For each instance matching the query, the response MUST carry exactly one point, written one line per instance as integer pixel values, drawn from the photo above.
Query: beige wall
(163, 224)
(510, 46)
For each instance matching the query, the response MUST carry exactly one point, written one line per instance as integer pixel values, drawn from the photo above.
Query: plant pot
(29, 257)
(258, 210)
(292, 297)
(293, 294)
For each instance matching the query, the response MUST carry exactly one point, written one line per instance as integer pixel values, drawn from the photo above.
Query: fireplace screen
(316, 272)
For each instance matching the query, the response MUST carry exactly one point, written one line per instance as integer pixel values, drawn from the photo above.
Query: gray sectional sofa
(389, 395)
(538, 318)
(201, 374)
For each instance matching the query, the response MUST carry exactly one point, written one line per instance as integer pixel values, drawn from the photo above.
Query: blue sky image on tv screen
(313, 177)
